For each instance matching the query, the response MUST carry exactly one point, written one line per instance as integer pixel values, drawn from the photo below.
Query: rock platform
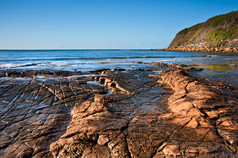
(202, 49)
(162, 112)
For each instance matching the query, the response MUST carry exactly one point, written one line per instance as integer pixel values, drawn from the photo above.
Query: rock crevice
(146, 114)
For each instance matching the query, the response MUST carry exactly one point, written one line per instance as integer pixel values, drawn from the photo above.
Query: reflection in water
(147, 107)
(221, 68)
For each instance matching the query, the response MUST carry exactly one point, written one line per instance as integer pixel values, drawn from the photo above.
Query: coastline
(203, 50)
(117, 112)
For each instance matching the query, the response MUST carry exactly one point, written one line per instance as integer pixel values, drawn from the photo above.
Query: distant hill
(220, 31)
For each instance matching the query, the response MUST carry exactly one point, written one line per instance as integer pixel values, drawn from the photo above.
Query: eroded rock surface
(202, 110)
(119, 113)
(121, 124)
(36, 111)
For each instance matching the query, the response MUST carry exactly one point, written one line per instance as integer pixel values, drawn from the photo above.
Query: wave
(131, 57)
(64, 62)
(52, 64)
(83, 58)
(11, 65)
(38, 59)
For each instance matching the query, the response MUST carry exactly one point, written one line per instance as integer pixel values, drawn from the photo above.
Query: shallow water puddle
(221, 68)
(108, 92)
(146, 107)
(95, 83)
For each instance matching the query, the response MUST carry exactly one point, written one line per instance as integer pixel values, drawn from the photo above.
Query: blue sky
(92, 24)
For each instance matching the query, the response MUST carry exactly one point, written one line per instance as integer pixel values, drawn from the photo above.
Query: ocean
(87, 60)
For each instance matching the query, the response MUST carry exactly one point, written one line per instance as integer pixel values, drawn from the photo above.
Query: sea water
(223, 67)
(86, 60)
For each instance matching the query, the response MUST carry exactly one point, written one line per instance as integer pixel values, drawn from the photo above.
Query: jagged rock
(131, 114)
(197, 101)
(35, 112)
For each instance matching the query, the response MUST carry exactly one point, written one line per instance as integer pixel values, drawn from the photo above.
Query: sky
(101, 24)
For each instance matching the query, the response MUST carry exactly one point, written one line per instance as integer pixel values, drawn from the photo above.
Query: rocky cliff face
(219, 31)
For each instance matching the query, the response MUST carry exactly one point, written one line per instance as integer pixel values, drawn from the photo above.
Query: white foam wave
(12, 65)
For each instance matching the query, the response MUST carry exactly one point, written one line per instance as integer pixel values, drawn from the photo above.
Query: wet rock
(138, 62)
(35, 112)
(164, 64)
(118, 114)
(200, 107)
(202, 49)
(107, 119)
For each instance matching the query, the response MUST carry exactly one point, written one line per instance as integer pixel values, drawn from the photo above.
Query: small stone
(138, 62)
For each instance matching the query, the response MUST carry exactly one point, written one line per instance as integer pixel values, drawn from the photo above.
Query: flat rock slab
(36, 111)
(117, 113)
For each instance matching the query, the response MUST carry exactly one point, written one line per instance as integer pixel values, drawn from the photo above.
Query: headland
(217, 34)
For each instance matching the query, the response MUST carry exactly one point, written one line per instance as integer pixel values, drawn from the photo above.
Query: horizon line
(84, 49)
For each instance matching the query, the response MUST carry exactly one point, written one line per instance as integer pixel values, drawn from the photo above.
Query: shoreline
(201, 50)
(117, 112)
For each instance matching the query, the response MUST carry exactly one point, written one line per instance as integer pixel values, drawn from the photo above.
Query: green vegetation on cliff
(220, 20)
(221, 34)
(195, 35)
(218, 31)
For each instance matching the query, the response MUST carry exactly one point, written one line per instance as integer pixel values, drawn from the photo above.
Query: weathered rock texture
(129, 114)
(208, 112)
(34, 112)
(122, 124)
(203, 49)
(217, 34)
